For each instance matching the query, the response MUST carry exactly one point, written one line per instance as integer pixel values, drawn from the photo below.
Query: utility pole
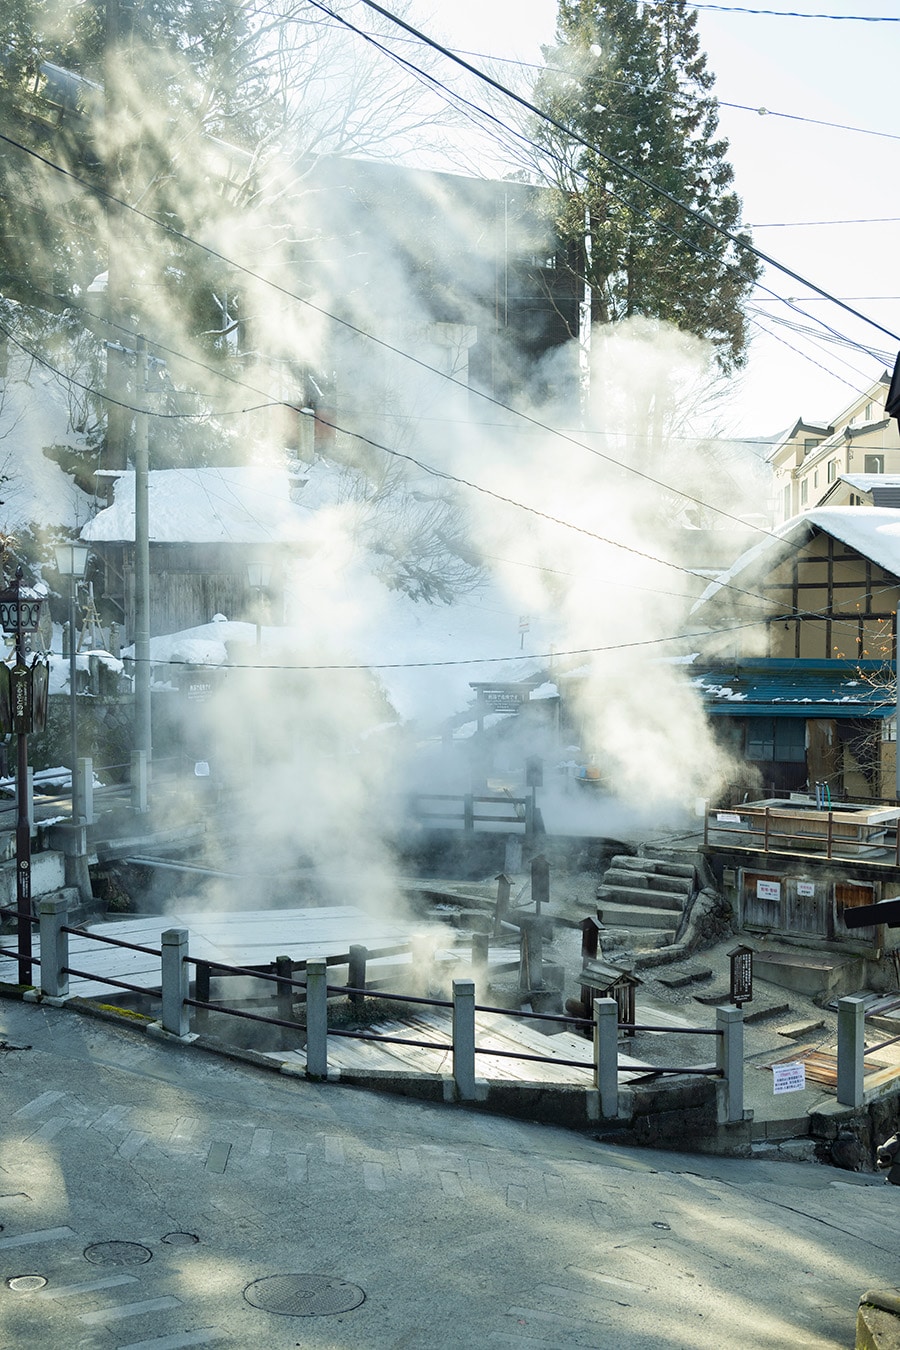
(142, 724)
(116, 423)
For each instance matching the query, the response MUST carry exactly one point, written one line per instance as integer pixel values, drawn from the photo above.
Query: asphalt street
(150, 1194)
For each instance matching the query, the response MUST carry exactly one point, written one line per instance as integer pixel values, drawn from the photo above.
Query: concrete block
(48, 873)
(878, 1320)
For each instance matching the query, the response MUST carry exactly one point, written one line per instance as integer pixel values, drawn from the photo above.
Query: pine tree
(631, 79)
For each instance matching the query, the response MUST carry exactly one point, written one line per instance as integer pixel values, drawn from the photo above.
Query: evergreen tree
(630, 79)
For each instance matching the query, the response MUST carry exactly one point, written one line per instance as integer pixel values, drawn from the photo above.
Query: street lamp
(259, 575)
(71, 560)
(23, 708)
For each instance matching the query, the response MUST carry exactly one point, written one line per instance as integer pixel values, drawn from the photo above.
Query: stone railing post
(139, 781)
(316, 1019)
(606, 1055)
(85, 773)
(851, 1050)
(175, 982)
(54, 914)
(730, 1059)
(464, 1039)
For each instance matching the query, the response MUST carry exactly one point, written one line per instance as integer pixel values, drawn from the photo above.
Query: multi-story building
(812, 458)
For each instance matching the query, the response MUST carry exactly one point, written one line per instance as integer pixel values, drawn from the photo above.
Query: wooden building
(798, 663)
(205, 526)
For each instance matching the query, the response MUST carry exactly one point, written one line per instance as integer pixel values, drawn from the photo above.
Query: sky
(788, 170)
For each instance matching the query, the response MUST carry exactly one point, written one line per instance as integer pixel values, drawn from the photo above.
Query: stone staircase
(646, 894)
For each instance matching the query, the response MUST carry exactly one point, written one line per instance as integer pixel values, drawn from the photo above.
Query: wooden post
(356, 975)
(540, 882)
(284, 994)
(531, 954)
(503, 889)
(203, 994)
(479, 960)
(469, 813)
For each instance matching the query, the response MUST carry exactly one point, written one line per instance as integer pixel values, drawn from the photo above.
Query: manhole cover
(303, 1295)
(117, 1254)
(24, 1284)
(181, 1239)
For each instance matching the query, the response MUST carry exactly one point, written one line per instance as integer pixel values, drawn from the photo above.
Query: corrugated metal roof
(780, 688)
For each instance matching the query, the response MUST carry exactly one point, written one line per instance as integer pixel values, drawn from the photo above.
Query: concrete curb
(878, 1320)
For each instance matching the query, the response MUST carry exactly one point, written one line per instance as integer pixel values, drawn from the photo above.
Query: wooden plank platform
(240, 938)
(492, 1032)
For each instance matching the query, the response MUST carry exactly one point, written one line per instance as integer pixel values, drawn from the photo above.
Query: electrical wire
(407, 65)
(520, 657)
(787, 13)
(354, 328)
(629, 172)
(485, 114)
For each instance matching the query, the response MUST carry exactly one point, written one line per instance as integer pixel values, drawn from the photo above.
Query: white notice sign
(768, 890)
(807, 889)
(728, 818)
(789, 1077)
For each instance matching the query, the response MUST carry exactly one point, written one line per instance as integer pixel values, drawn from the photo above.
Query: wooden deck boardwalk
(240, 938)
(493, 1031)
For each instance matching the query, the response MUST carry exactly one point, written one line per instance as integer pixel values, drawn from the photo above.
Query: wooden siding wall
(190, 585)
(845, 605)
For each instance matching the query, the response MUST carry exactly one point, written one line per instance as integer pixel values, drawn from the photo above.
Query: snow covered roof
(250, 505)
(873, 531)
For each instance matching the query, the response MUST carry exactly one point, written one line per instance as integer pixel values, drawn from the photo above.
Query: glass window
(832, 470)
(780, 739)
(804, 491)
(873, 464)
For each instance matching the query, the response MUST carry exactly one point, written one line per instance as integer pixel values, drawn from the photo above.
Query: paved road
(461, 1230)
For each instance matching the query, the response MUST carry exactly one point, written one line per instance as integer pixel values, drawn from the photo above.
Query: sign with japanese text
(768, 890)
(789, 1077)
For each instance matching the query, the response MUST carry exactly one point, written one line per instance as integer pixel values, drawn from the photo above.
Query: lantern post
(23, 701)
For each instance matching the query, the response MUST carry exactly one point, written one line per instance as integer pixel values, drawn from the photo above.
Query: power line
(519, 657)
(813, 121)
(629, 172)
(790, 13)
(354, 328)
(485, 114)
(806, 224)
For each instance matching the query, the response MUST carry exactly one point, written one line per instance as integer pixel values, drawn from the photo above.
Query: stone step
(657, 865)
(636, 916)
(653, 881)
(635, 895)
(622, 943)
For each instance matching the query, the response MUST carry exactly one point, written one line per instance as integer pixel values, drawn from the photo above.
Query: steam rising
(400, 565)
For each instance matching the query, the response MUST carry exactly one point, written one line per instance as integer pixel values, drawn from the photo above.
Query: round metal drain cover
(117, 1254)
(25, 1284)
(181, 1239)
(303, 1295)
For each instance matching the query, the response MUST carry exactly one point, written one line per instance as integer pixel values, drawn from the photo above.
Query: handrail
(108, 979)
(174, 991)
(14, 951)
(112, 942)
